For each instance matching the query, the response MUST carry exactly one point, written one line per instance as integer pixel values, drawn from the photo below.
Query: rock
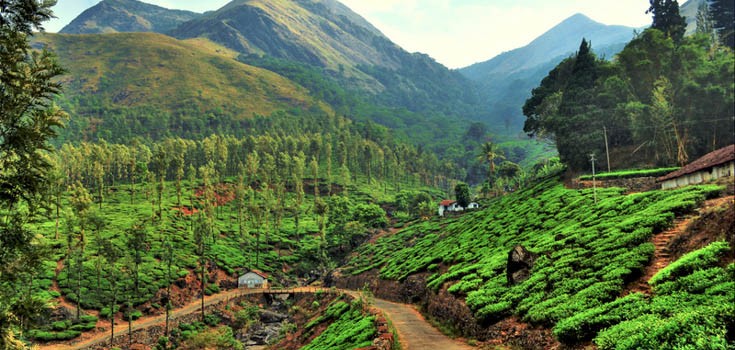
(520, 262)
(264, 334)
(267, 316)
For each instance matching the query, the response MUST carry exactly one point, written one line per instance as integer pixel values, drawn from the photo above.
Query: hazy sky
(456, 33)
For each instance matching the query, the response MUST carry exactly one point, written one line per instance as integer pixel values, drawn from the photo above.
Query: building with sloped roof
(253, 279)
(712, 166)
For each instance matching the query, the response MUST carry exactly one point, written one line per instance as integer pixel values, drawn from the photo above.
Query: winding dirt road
(414, 333)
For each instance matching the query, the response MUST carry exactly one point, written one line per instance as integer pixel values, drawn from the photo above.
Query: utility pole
(607, 151)
(594, 186)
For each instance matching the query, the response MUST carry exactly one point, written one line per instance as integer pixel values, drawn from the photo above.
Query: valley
(281, 175)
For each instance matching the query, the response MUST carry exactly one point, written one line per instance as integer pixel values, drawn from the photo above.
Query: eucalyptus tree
(299, 168)
(112, 255)
(137, 244)
(202, 230)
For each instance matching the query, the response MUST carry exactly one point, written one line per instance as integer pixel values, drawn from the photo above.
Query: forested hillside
(506, 80)
(343, 48)
(666, 99)
(131, 84)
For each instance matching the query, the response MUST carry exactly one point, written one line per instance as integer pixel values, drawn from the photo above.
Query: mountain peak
(113, 16)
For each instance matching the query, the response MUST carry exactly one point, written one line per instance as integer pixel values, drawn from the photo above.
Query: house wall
(723, 170)
(252, 280)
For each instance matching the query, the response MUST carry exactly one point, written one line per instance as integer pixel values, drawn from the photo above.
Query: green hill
(346, 49)
(588, 253)
(121, 80)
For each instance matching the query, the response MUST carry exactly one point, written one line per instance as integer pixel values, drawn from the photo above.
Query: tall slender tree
(667, 19)
(723, 14)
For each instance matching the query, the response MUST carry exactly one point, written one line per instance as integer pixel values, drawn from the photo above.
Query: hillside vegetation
(144, 81)
(588, 252)
(343, 47)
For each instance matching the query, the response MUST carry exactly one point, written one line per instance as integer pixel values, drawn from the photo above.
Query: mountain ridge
(114, 16)
(552, 44)
(506, 80)
(327, 35)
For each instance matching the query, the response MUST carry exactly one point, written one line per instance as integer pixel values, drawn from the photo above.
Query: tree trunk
(204, 281)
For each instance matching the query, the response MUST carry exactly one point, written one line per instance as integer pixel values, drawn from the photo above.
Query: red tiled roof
(447, 202)
(720, 156)
(260, 273)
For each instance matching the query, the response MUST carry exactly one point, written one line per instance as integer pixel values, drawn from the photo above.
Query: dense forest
(665, 100)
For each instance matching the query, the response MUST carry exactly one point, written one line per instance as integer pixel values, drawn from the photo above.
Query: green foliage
(667, 19)
(654, 99)
(587, 253)
(29, 118)
(350, 327)
(691, 262)
(372, 215)
(64, 330)
(625, 174)
(218, 338)
(462, 193)
(51, 336)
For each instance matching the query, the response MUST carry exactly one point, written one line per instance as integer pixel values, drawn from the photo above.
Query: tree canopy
(28, 119)
(667, 19)
(661, 102)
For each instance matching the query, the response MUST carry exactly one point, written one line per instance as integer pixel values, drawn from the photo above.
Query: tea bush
(587, 252)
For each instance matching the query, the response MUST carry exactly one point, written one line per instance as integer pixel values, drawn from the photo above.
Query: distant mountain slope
(689, 10)
(506, 80)
(112, 16)
(561, 40)
(167, 82)
(344, 46)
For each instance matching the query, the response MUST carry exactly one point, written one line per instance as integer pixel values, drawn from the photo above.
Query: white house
(449, 205)
(253, 279)
(712, 166)
(473, 205)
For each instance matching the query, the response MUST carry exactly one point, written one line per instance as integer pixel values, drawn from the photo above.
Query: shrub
(691, 262)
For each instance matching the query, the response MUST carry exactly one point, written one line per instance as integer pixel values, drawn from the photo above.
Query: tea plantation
(588, 252)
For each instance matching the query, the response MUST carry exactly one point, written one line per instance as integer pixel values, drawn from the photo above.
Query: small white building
(449, 205)
(253, 279)
(473, 205)
(712, 166)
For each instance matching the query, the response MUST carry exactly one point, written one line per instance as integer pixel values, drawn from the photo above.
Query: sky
(456, 33)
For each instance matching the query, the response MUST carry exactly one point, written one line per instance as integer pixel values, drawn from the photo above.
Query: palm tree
(489, 152)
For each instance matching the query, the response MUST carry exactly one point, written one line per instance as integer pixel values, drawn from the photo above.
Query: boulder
(267, 316)
(520, 262)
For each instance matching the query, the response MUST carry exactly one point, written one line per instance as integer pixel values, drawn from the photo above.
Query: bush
(105, 312)
(691, 262)
(51, 336)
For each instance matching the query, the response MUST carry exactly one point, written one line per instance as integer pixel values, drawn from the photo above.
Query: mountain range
(323, 35)
(332, 52)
